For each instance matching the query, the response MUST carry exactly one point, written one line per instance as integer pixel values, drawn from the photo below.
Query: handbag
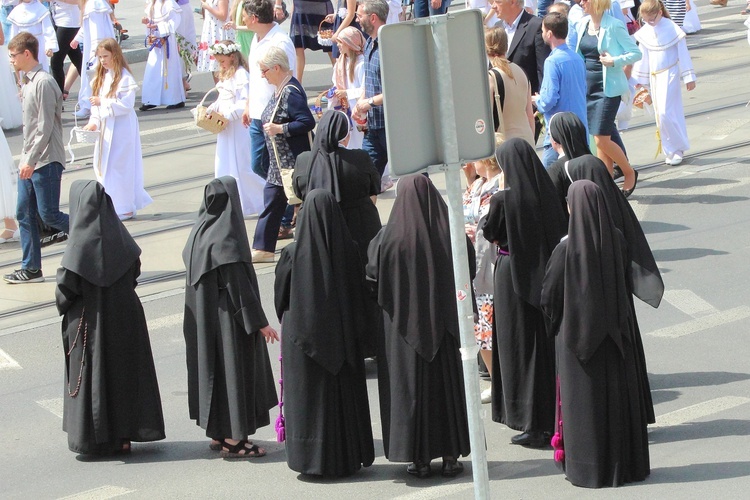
(287, 174)
(214, 121)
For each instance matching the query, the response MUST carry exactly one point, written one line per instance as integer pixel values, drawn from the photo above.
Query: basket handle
(206, 95)
(322, 23)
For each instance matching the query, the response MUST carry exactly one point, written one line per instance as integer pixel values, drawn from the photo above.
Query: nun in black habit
(230, 383)
(601, 438)
(319, 296)
(570, 140)
(420, 378)
(527, 222)
(111, 392)
(645, 280)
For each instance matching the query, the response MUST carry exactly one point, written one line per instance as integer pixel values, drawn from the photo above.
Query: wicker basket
(214, 122)
(641, 96)
(325, 35)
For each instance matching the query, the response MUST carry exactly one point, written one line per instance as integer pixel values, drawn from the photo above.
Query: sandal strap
(233, 448)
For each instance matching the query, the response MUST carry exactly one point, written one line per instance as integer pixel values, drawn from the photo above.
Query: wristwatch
(371, 102)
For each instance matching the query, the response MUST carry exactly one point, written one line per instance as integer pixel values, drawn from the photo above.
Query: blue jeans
(548, 156)
(39, 194)
(259, 159)
(375, 146)
(422, 8)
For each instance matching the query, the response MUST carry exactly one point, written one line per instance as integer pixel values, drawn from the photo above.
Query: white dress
(97, 25)
(162, 79)
(8, 181)
(10, 111)
(186, 30)
(665, 62)
(691, 23)
(233, 143)
(34, 18)
(213, 33)
(354, 90)
(118, 160)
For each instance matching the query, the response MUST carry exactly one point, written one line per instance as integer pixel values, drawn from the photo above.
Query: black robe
(529, 218)
(420, 379)
(230, 383)
(319, 297)
(111, 392)
(567, 130)
(602, 418)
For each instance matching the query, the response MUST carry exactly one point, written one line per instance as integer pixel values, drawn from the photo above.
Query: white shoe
(487, 396)
(16, 236)
(82, 113)
(677, 158)
(126, 216)
(668, 160)
(261, 256)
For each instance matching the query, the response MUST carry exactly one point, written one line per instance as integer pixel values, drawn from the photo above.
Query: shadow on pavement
(694, 379)
(699, 472)
(673, 254)
(700, 430)
(652, 227)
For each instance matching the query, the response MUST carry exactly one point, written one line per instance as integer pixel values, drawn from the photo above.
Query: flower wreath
(223, 49)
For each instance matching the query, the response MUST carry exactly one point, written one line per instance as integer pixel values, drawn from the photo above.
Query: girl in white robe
(665, 62)
(233, 143)
(8, 192)
(10, 111)
(118, 161)
(33, 17)
(162, 79)
(96, 25)
(349, 79)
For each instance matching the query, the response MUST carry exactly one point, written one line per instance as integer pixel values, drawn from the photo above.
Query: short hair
(378, 7)
(263, 9)
(275, 56)
(599, 7)
(560, 7)
(556, 23)
(25, 41)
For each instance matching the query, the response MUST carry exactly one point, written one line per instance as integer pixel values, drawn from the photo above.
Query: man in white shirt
(258, 16)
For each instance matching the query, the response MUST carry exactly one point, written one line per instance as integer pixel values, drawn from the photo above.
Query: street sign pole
(452, 168)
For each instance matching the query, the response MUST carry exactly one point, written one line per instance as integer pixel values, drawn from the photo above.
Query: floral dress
(281, 155)
(213, 33)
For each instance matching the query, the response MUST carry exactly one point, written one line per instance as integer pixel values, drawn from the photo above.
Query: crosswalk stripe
(54, 406)
(688, 302)
(165, 321)
(100, 493)
(8, 363)
(703, 323)
(699, 410)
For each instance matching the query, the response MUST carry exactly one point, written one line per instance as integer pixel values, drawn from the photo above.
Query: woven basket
(641, 96)
(325, 35)
(214, 122)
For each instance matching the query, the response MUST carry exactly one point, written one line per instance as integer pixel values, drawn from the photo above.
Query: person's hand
(607, 60)
(95, 100)
(25, 171)
(230, 26)
(245, 119)
(144, 20)
(90, 127)
(436, 4)
(278, 14)
(687, 6)
(362, 107)
(48, 52)
(74, 44)
(269, 334)
(471, 232)
(329, 18)
(272, 129)
(534, 98)
(342, 97)
(690, 86)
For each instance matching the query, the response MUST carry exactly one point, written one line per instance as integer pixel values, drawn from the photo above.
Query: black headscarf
(646, 278)
(534, 218)
(568, 130)
(325, 162)
(415, 266)
(596, 298)
(100, 248)
(494, 228)
(219, 236)
(327, 287)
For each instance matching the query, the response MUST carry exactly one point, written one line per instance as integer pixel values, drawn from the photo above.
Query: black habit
(111, 392)
(420, 378)
(529, 216)
(601, 423)
(230, 383)
(567, 130)
(319, 296)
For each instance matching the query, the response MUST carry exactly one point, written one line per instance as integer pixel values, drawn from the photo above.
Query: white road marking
(165, 321)
(703, 323)
(54, 406)
(699, 410)
(688, 302)
(100, 493)
(8, 363)
(726, 127)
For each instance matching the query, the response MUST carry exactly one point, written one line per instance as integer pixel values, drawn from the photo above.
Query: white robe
(8, 181)
(186, 29)
(354, 90)
(665, 61)
(233, 143)
(162, 79)
(10, 111)
(34, 18)
(96, 26)
(118, 160)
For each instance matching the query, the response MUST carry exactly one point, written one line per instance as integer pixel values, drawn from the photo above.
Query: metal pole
(452, 167)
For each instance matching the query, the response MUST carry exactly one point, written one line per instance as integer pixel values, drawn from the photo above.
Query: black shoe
(24, 276)
(147, 107)
(531, 439)
(452, 468)
(176, 106)
(617, 171)
(628, 192)
(420, 470)
(53, 238)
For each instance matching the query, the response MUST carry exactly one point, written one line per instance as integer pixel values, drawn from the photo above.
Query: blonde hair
(599, 7)
(118, 64)
(237, 60)
(496, 46)
(653, 7)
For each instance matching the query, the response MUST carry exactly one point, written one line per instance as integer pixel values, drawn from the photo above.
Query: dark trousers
(375, 145)
(269, 221)
(64, 37)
